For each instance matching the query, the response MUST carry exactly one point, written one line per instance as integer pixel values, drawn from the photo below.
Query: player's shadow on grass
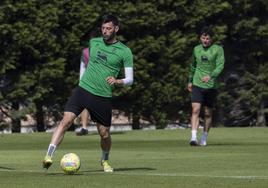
(133, 169)
(84, 172)
(6, 168)
(113, 133)
(123, 169)
(63, 174)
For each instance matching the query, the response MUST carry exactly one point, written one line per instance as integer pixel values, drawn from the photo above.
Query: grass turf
(234, 158)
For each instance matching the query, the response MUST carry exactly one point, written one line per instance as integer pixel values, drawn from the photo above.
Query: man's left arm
(128, 80)
(128, 68)
(219, 63)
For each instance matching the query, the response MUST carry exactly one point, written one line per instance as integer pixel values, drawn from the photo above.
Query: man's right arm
(82, 69)
(191, 72)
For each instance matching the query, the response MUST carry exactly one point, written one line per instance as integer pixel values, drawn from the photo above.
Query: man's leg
(105, 144)
(196, 107)
(208, 123)
(57, 137)
(84, 120)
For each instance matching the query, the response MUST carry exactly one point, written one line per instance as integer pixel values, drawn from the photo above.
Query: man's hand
(189, 87)
(206, 79)
(111, 80)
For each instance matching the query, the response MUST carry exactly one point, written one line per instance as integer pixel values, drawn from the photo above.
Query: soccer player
(107, 57)
(207, 65)
(84, 114)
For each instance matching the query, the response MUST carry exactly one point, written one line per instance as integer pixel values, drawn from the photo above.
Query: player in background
(207, 65)
(85, 113)
(107, 57)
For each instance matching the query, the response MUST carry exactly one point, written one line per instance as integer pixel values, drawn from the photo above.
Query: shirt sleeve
(219, 63)
(83, 65)
(128, 80)
(82, 69)
(192, 68)
(128, 58)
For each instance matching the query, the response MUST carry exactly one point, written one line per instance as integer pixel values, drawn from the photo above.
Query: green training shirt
(207, 61)
(105, 60)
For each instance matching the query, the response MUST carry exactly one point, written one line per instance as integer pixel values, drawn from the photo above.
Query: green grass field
(234, 158)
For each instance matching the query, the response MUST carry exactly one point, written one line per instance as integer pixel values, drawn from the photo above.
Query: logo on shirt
(204, 58)
(102, 56)
(114, 50)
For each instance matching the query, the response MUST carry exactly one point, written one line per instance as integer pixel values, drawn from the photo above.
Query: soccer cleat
(106, 166)
(203, 143)
(47, 162)
(82, 132)
(194, 143)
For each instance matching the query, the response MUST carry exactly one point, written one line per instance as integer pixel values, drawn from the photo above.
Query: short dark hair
(207, 31)
(110, 18)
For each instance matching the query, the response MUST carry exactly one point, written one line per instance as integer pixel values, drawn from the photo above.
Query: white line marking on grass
(148, 174)
(29, 171)
(191, 175)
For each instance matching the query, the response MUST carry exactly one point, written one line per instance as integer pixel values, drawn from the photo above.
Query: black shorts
(100, 108)
(206, 97)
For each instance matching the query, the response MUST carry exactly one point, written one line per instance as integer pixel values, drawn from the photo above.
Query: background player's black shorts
(100, 108)
(206, 97)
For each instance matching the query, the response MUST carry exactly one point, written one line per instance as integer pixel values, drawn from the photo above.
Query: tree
(36, 59)
(248, 41)
(41, 43)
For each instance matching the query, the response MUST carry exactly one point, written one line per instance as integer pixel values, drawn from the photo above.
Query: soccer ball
(70, 163)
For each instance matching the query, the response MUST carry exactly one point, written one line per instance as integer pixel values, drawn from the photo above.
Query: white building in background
(120, 122)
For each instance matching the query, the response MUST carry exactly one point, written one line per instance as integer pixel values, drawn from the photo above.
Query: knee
(195, 111)
(104, 134)
(65, 124)
(207, 115)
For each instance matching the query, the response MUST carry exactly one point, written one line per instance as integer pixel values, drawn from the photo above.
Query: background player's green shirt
(207, 61)
(105, 60)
